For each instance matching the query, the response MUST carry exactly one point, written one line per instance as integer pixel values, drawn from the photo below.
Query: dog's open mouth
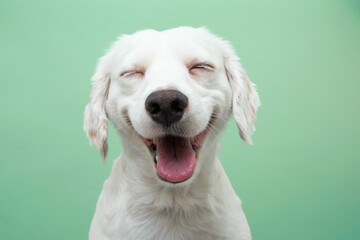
(175, 157)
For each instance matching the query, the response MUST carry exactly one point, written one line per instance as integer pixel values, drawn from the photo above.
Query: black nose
(166, 106)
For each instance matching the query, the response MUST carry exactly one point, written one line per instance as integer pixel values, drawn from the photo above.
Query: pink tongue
(175, 158)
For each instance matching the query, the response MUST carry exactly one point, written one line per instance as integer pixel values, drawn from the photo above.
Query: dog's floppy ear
(245, 99)
(95, 119)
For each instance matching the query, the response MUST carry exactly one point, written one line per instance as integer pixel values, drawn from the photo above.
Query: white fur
(135, 204)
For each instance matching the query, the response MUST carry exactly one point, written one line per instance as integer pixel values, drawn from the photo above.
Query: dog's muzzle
(175, 156)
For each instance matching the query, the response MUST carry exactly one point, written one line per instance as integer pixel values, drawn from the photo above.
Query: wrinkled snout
(166, 106)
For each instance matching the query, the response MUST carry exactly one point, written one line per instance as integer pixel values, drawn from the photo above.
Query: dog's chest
(179, 225)
(142, 212)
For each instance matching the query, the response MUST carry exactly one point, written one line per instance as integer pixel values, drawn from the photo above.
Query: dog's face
(167, 93)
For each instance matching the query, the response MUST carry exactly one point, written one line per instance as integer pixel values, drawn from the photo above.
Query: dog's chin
(175, 157)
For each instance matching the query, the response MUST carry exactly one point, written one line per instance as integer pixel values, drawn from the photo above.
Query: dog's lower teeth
(156, 159)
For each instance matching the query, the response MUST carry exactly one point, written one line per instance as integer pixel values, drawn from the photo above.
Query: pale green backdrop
(301, 179)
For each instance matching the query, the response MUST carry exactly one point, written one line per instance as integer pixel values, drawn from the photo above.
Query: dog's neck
(134, 172)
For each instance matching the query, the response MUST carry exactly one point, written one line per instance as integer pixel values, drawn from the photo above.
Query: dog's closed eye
(200, 68)
(137, 72)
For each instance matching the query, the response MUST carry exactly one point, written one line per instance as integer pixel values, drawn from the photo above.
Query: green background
(301, 179)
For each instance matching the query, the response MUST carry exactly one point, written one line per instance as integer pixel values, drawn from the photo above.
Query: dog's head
(169, 93)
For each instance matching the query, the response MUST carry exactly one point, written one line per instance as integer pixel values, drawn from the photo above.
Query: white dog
(169, 94)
